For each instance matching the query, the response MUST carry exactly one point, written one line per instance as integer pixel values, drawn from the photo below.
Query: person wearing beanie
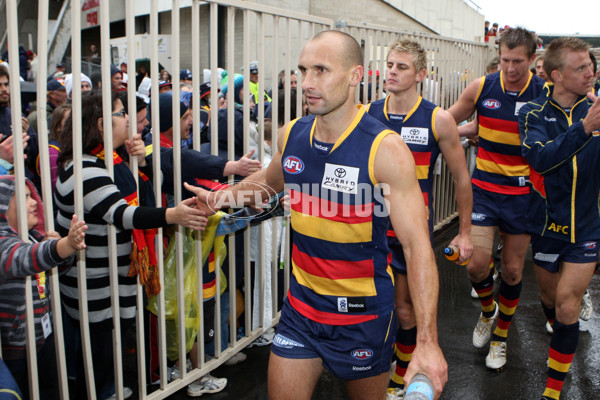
(238, 88)
(86, 84)
(165, 110)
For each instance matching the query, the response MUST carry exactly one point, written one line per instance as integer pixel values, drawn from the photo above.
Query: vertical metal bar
(162, 339)
(175, 59)
(59, 343)
(78, 194)
(275, 125)
(288, 66)
(108, 160)
(259, 262)
(215, 78)
(132, 107)
(196, 117)
(367, 64)
(293, 63)
(19, 169)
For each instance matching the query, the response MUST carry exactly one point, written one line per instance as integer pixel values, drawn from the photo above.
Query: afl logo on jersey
(491, 104)
(590, 245)
(362, 354)
(293, 165)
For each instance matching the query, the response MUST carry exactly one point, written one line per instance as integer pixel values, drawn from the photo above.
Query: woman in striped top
(107, 202)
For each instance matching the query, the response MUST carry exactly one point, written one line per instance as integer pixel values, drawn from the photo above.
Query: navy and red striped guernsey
(340, 265)
(417, 129)
(500, 168)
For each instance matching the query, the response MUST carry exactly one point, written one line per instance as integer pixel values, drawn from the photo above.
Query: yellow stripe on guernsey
(345, 134)
(507, 170)
(355, 287)
(373, 153)
(422, 171)
(408, 115)
(434, 131)
(332, 231)
(287, 134)
(481, 88)
(558, 366)
(524, 87)
(573, 199)
(499, 136)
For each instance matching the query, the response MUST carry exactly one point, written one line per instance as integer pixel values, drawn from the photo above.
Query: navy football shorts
(549, 253)
(506, 211)
(349, 351)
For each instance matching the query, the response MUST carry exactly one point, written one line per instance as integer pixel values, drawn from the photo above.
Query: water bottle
(420, 388)
(452, 253)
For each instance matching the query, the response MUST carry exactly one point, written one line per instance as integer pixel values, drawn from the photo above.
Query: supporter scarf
(143, 252)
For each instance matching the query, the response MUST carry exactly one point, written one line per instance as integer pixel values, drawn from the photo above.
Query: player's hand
(428, 359)
(465, 247)
(591, 122)
(203, 202)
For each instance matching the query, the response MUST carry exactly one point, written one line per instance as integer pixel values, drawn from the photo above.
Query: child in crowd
(20, 259)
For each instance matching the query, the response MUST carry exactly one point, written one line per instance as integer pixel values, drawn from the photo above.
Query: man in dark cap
(56, 95)
(185, 77)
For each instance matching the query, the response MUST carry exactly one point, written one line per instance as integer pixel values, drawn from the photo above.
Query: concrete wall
(370, 11)
(452, 18)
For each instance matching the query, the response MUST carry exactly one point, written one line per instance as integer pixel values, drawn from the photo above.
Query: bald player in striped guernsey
(427, 130)
(500, 184)
(339, 312)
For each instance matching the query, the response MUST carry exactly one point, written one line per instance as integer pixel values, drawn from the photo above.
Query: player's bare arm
(465, 105)
(262, 184)
(409, 219)
(454, 154)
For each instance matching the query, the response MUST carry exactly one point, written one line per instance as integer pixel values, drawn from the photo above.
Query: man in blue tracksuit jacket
(561, 141)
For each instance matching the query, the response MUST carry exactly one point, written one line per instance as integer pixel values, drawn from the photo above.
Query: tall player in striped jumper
(344, 171)
(426, 129)
(500, 184)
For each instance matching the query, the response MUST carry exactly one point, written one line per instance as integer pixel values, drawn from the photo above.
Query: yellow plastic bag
(192, 310)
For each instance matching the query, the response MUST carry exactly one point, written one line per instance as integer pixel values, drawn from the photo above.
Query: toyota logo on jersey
(293, 165)
(491, 104)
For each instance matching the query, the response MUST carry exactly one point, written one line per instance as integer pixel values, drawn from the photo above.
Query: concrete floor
(523, 377)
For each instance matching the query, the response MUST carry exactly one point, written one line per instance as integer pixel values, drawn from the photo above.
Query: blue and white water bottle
(420, 388)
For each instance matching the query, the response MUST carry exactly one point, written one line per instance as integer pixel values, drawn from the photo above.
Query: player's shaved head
(352, 51)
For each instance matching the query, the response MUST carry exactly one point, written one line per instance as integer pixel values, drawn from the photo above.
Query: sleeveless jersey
(417, 129)
(340, 266)
(500, 168)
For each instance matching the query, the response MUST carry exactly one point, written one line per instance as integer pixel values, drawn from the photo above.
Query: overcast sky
(545, 16)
